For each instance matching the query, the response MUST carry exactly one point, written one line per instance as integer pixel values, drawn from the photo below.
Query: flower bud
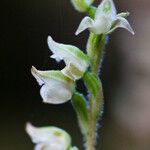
(82, 5)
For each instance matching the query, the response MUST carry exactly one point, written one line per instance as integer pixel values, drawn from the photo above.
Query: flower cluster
(76, 65)
(104, 22)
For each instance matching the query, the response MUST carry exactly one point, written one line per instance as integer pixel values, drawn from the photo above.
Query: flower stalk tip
(106, 20)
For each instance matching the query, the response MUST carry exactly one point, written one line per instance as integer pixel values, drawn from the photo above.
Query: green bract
(92, 83)
(106, 20)
(56, 87)
(49, 138)
(76, 61)
(80, 106)
(82, 5)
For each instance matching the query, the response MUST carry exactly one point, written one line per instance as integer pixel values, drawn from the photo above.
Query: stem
(95, 48)
(90, 143)
(96, 105)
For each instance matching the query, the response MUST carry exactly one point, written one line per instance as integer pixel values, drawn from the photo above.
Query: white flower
(56, 87)
(106, 20)
(49, 138)
(82, 5)
(76, 61)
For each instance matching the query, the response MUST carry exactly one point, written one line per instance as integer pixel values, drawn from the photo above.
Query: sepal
(121, 23)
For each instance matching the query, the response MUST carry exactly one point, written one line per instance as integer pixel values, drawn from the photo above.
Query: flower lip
(50, 82)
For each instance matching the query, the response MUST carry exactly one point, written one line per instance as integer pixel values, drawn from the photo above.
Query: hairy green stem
(95, 48)
(90, 140)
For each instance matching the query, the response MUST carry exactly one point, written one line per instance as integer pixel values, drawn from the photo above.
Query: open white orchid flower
(106, 20)
(56, 87)
(49, 138)
(76, 61)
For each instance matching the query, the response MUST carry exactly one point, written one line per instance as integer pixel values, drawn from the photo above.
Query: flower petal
(70, 54)
(101, 25)
(107, 8)
(56, 57)
(123, 14)
(37, 77)
(122, 23)
(86, 23)
(48, 138)
(52, 95)
(51, 82)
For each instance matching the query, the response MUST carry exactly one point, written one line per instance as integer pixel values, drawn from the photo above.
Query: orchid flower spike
(82, 5)
(49, 138)
(76, 61)
(106, 20)
(56, 87)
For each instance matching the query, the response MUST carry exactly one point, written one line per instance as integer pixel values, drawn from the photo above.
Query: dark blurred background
(125, 74)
